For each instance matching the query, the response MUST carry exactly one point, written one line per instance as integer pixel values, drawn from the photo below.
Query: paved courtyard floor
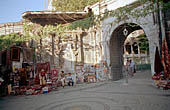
(139, 94)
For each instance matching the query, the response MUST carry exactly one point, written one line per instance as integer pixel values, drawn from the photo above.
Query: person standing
(127, 65)
(132, 68)
(42, 78)
(62, 76)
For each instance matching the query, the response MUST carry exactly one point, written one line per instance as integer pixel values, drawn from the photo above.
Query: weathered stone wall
(72, 50)
(92, 46)
(146, 23)
(8, 28)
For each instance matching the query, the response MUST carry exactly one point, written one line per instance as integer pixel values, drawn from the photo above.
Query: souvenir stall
(101, 71)
(5, 69)
(161, 82)
(21, 63)
(53, 78)
(162, 68)
(23, 79)
(79, 74)
(89, 73)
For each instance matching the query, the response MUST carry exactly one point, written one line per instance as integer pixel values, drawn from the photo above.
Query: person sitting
(70, 79)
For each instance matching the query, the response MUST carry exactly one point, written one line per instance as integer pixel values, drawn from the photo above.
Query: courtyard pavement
(139, 94)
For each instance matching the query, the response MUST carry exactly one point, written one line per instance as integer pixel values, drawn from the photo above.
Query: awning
(53, 17)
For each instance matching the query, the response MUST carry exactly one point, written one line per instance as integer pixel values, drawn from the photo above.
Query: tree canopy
(143, 43)
(7, 40)
(91, 20)
(72, 5)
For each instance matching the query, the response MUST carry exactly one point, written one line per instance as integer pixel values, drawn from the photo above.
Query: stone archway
(111, 29)
(116, 48)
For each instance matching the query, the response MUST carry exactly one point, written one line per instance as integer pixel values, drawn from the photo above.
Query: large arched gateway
(113, 40)
(116, 47)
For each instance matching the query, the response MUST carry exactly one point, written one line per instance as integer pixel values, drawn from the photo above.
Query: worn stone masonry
(96, 45)
(8, 28)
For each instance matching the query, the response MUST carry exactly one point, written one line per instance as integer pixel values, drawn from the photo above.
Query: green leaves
(7, 40)
(50, 29)
(34, 32)
(72, 5)
(143, 43)
(86, 23)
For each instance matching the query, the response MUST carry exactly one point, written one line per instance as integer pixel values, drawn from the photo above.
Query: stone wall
(146, 23)
(8, 28)
(72, 50)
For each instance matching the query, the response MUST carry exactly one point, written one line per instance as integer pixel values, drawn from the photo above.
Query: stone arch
(145, 23)
(116, 48)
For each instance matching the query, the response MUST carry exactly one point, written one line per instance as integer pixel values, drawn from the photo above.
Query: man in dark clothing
(70, 80)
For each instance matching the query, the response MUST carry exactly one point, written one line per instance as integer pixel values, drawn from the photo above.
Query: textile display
(54, 73)
(16, 65)
(23, 76)
(44, 66)
(15, 54)
(27, 55)
(166, 59)
(158, 65)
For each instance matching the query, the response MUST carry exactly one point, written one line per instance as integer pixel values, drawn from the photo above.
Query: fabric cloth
(44, 66)
(27, 55)
(15, 54)
(166, 59)
(42, 73)
(157, 64)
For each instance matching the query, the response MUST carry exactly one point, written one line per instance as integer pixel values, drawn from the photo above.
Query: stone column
(40, 49)
(52, 37)
(132, 52)
(82, 47)
(139, 53)
(105, 50)
(153, 42)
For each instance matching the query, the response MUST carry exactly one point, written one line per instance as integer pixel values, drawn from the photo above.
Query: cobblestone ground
(138, 94)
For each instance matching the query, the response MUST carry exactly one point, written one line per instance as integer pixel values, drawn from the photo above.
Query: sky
(11, 10)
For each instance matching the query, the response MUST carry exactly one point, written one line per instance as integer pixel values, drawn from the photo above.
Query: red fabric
(54, 72)
(42, 73)
(165, 58)
(157, 65)
(37, 80)
(15, 54)
(44, 66)
(27, 55)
